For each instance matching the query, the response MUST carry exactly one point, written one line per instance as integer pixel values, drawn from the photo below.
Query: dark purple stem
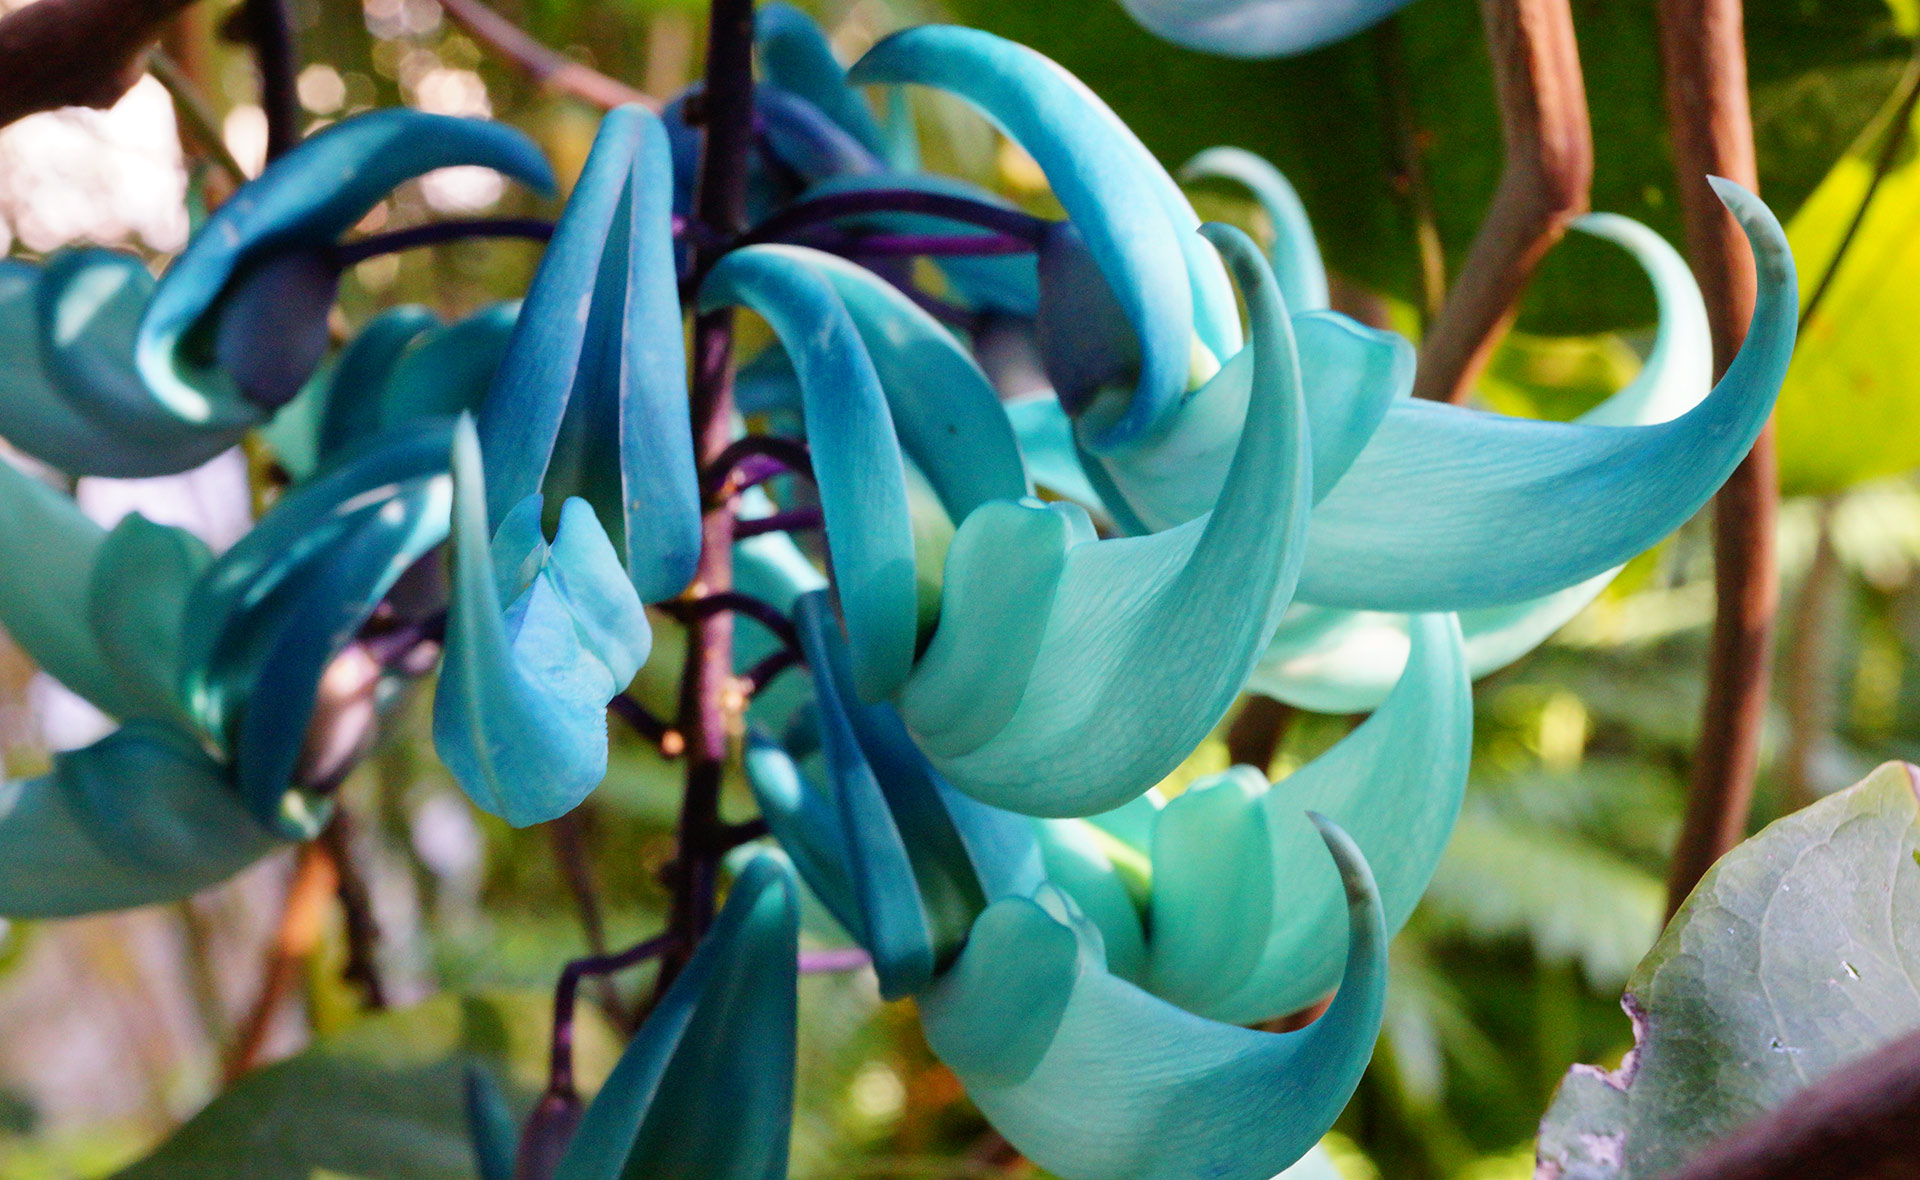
(763, 672)
(435, 233)
(640, 719)
(734, 602)
(560, 1058)
(917, 245)
(269, 29)
(791, 521)
(789, 222)
(791, 456)
(720, 206)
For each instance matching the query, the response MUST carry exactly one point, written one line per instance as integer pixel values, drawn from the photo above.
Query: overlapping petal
(705, 1090)
(1219, 902)
(1135, 224)
(1259, 28)
(1095, 1079)
(540, 636)
(1070, 674)
(1454, 509)
(1344, 661)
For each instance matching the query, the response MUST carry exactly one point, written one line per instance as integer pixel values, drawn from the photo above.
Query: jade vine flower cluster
(1026, 528)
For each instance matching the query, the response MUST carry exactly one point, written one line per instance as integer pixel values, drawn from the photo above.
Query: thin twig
(195, 114)
(62, 53)
(1703, 50)
(436, 233)
(642, 721)
(1409, 163)
(1896, 134)
(356, 909)
(727, 473)
(551, 69)
(302, 915)
(1543, 187)
(1809, 671)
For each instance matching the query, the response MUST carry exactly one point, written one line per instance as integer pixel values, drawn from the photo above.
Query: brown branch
(1704, 55)
(301, 919)
(1854, 1124)
(356, 909)
(85, 53)
(550, 68)
(1255, 735)
(1543, 187)
(1409, 165)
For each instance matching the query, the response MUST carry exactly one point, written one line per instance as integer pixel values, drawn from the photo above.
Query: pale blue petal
(137, 596)
(351, 399)
(1095, 1079)
(705, 1089)
(797, 57)
(1295, 254)
(1335, 661)
(1094, 168)
(1259, 28)
(520, 712)
(305, 200)
(1452, 509)
(141, 816)
(855, 451)
(1068, 675)
(445, 371)
(1045, 435)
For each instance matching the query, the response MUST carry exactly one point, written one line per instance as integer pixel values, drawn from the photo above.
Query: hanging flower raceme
(1100, 1052)
(108, 373)
(246, 686)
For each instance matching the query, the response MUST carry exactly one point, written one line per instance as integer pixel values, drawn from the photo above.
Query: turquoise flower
(215, 668)
(1259, 28)
(106, 372)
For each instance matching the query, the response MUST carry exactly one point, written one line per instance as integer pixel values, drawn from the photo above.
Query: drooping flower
(111, 374)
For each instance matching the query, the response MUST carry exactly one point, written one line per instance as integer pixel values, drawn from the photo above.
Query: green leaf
(1847, 411)
(384, 1099)
(1795, 954)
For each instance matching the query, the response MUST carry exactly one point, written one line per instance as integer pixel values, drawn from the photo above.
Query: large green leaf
(1819, 69)
(1796, 953)
(384, 1100)
(1847, 411)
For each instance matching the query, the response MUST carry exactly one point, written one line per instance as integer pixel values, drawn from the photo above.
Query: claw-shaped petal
(143, 815)
(705, 1089)
(539, 638)
(855, 449)
(1340, 661)
(1138, 227)
(1068, 675)
(1452, 509)
(1095, 1079)
(267, 619)
(903, 862)
(797, 57)
(260, 258)
(591, 398)
(1295, 254)
(1259, 28)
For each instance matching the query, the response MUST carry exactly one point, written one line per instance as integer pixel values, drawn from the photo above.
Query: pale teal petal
(444, 372)
(1335, 661)
(1068, 675)
(306, 199)
(1445, 509)
(1216, 888)
(1093, 166)
(1259, 28)
(141, 816)
(1095, 1079)
(796, 56)
(1295, 254)
(351, 399)
(802, 819)
(1045, 436)
(705, 1089)
(855, 450)
(946, 415)
(1082, 863)
(1351, 374)
(142, 582)
(520, 712)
